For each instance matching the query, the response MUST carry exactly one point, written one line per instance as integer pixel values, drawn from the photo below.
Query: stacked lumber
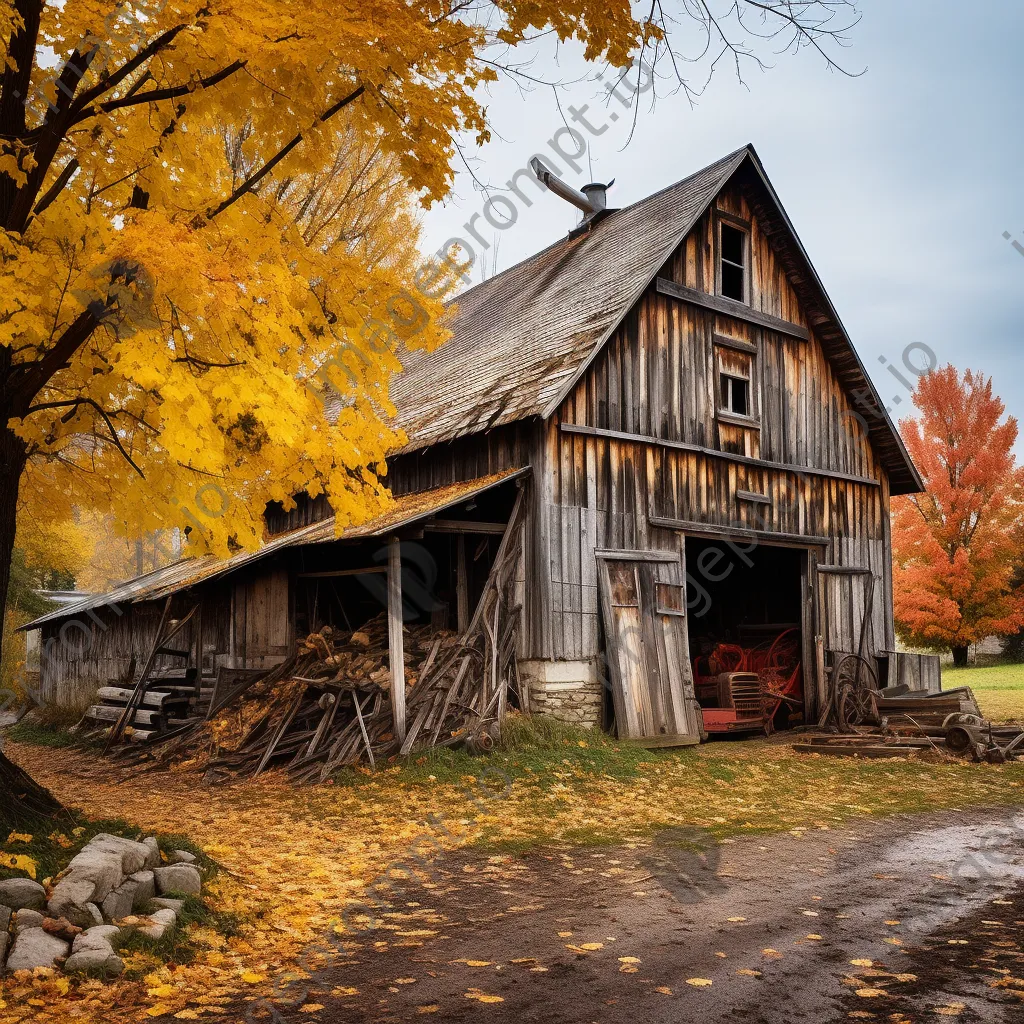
(158, 713)
(927, 709)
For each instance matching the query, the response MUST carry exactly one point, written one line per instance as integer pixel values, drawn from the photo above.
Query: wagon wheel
(854, 683)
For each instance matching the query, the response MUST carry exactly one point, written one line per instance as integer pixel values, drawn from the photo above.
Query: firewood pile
(329, 704)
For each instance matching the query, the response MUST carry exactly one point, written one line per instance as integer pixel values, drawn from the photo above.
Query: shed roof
(180, 575)
(521, 339)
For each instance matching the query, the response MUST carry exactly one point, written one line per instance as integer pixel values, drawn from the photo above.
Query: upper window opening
(733, 265)
(735, 394)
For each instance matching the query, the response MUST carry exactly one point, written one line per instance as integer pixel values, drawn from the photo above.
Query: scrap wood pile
(329, 705)
(895, 721)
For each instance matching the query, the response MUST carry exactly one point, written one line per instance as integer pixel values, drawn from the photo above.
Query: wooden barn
(659, 422)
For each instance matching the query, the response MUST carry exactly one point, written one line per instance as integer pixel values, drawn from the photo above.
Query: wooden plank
(461, 585)
(463, 526)
(788, 467)
(740, 533)
(730, 307)
(153, 699)
(757, 499)
(396, 643)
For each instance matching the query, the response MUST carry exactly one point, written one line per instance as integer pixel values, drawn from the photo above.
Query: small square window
(732, 261)
(735, 394)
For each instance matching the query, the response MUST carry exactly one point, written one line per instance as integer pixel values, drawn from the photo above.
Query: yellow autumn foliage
(208, 231)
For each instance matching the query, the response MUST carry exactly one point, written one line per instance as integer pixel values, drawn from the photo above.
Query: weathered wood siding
(246, 624)
(641, 439)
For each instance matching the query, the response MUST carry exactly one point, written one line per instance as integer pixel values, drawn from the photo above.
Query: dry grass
(999, 689)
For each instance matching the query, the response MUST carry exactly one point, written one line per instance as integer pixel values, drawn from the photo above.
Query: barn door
(643, 609)
(849, 603)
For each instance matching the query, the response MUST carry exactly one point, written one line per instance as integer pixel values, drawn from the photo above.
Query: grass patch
(43, 735)
(999, 689)
(531, 747)
(54, 841)
(142, 955)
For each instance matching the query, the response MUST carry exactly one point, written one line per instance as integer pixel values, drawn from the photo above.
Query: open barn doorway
(744, 631)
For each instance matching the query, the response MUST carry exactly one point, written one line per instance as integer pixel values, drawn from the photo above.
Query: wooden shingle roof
(521, 339)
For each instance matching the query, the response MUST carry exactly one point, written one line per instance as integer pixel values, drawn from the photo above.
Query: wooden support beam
(461, 585)
(730, 307)
(465, 526)
(340, 572)
(738, 532)
(685, 446)
(396, 648)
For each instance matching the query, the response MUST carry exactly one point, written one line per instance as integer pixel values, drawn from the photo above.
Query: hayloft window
(735, 394)
(732, 260)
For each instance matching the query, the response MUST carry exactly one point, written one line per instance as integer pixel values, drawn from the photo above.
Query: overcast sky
(900, 182)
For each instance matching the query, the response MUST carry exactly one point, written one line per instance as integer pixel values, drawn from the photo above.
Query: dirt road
(895, 920)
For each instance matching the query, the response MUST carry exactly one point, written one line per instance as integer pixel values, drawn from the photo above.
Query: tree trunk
(960, 657)
(20, 798)
(24, 800)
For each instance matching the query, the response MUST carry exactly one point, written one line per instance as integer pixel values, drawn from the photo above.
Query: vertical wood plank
(396, 645)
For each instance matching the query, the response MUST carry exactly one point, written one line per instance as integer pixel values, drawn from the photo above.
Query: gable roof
(521, 339)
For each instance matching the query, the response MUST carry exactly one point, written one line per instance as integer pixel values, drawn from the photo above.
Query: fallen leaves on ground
(299, 861)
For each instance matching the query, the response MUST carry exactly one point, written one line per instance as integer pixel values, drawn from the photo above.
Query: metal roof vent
(591, 201)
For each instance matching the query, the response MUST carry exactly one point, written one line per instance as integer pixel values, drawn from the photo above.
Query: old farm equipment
(743, 689)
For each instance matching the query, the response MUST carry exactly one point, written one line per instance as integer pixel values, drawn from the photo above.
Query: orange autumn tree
(957, 545)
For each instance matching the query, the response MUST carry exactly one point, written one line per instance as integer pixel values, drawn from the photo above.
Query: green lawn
(999, 689)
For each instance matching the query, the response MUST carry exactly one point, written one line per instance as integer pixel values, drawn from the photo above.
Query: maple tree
(957, 545)
(177, 299)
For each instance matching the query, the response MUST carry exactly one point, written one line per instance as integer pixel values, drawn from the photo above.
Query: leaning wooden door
(643, 609)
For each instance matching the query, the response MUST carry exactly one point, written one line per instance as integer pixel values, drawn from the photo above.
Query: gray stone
(145, 888)
(166, 903)
(5, 918)
(95, 913)
(133, 855)
(120, 901)
(104, 962)
(181, 857)
(161, 922)
(27, 919)
(178, 878)
(17, 893)
(72, 899)
(5, 941)
(36, 948)
(96, 938)
(153, 856)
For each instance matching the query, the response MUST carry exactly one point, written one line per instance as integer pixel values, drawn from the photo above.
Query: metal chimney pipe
(561, 189)
(597, 195)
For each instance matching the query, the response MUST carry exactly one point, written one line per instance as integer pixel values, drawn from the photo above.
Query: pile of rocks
(114, 886)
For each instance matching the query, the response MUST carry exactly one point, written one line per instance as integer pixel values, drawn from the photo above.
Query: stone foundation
(568, 691)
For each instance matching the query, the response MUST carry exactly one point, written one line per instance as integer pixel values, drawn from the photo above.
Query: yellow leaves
(20, 837)
(428, 1008)
(871, 993)
(814, 937)
(310, 1007)
(747, 972)
(699, 982)
(483, 997)
(629, 960)
(252, 978)
(862, 963)
(949, 1010)
(664, 990)
(341, 991)
(735, 920)
(157, 1010)
(18, 862)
